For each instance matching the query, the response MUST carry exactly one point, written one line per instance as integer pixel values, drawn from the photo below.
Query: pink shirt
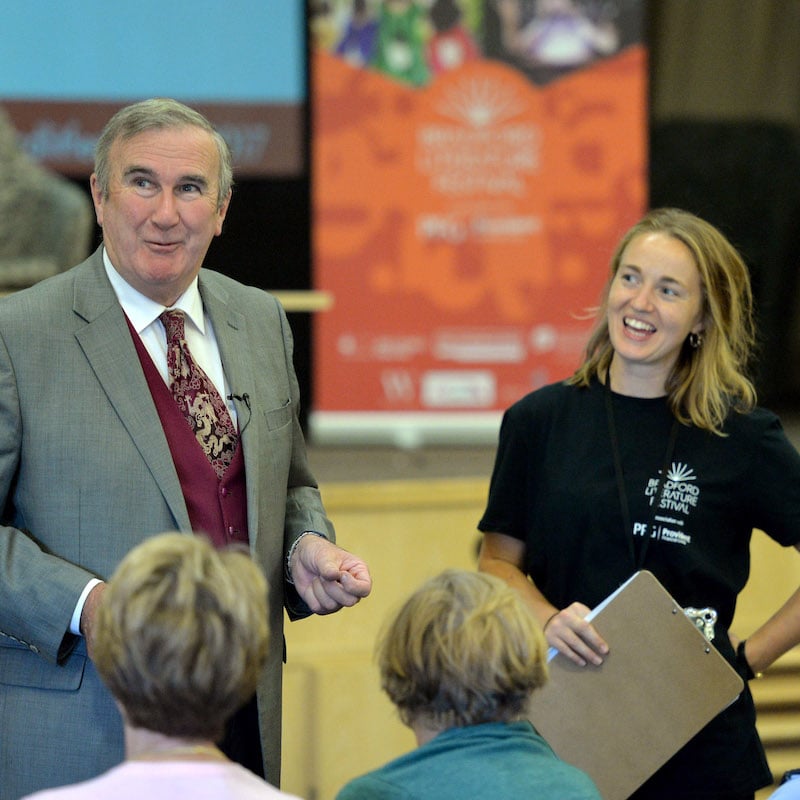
(167, 780)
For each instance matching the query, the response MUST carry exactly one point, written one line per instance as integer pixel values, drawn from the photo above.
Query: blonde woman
(181, 639)
(654, 456)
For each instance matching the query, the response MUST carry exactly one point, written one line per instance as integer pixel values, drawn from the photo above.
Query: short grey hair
(158, 113)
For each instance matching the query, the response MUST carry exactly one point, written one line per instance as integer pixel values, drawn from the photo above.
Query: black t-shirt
(554, 487)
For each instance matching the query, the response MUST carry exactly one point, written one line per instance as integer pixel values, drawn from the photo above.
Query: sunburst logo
(680, 472)
(480, 102)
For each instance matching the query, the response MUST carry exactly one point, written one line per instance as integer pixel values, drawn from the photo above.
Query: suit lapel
(109, 349)
(230, 328)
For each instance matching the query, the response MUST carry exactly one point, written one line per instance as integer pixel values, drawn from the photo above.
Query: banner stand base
(405, 431)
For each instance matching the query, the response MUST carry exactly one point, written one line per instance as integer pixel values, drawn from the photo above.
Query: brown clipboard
(660, 683)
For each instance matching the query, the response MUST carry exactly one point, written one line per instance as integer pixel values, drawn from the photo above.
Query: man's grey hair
(158, 113)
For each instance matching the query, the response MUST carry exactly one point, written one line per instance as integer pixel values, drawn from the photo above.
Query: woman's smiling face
(655, 301)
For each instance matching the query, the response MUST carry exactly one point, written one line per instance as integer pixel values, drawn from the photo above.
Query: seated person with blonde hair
(181, 638)
(459, 661)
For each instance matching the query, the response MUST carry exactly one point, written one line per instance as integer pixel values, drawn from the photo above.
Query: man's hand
(88, 613)
(327, 577)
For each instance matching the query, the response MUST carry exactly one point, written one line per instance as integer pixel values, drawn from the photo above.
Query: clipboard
(660, 683)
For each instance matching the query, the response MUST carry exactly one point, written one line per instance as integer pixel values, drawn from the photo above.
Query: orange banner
(464, 228)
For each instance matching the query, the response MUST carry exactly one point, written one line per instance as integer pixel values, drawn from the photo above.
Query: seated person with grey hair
(459, 661)
(181, 638)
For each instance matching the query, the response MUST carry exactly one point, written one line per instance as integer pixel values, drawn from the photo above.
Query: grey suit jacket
(87, 474)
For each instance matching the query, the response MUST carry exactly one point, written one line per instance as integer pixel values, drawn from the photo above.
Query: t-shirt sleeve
(776, 485)
(505, 509)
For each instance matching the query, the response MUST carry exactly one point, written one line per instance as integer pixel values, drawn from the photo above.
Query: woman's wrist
(549, 620)
(744, 664)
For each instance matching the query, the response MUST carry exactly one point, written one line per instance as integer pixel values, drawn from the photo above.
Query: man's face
(161, 211)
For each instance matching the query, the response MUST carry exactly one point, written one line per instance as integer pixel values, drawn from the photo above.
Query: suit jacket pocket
(19, 666)
(278, 417)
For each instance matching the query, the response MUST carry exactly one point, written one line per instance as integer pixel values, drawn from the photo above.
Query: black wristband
(742, 663)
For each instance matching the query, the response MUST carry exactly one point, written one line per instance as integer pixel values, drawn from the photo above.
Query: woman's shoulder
(553, 397)
(751, 423)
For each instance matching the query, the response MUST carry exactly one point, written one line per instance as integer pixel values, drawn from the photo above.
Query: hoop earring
(695, 340)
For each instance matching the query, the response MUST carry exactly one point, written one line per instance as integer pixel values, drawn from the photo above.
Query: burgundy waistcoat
(216, 506)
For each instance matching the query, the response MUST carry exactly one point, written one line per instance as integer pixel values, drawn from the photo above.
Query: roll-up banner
(474, 163)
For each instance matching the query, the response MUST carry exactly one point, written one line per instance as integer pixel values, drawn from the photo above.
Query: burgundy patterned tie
(197, 397)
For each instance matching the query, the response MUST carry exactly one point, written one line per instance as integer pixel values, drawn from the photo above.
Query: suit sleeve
(304, 508)
(38, 591)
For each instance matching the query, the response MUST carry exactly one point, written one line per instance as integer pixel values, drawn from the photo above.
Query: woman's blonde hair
(182, 635)
(709, 381)
(462, 650)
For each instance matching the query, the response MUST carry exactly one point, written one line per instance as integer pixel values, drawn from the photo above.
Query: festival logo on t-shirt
(679, 497)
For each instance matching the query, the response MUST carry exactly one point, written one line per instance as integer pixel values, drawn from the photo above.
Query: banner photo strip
(474, 164)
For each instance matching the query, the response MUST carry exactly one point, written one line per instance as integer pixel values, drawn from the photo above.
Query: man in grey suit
(92, 462)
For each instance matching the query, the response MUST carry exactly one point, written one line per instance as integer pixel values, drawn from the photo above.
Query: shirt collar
(142, 311)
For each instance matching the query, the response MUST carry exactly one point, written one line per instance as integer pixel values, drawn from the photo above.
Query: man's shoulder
(83, 288)
(234, 289)
(255, 308)
(46, 295)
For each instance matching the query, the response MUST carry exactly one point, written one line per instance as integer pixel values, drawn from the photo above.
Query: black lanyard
(620, 476)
